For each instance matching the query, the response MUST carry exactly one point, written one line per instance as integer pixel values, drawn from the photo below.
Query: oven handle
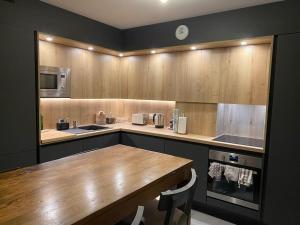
(233, 200)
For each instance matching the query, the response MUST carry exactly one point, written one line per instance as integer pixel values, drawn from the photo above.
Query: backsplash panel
(241, 120)
(84, 110)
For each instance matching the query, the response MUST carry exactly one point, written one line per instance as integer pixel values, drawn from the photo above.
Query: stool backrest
(182, 197)
(138, 219)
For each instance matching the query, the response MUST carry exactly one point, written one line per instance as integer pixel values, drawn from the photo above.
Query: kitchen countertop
(53, 136)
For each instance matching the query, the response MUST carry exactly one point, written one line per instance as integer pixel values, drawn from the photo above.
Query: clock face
(182, 32)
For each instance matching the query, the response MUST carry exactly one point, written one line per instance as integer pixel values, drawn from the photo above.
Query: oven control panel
(239, 159)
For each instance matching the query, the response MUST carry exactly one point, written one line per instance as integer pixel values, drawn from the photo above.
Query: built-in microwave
(55, 82)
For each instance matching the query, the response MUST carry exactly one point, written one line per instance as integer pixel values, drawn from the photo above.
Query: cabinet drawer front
(57, 151)
(142, 141)
(101, 141)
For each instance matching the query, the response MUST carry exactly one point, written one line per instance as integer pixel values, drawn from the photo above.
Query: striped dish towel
(245, 177)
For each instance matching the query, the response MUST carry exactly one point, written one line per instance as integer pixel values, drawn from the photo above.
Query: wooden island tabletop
(97, 187)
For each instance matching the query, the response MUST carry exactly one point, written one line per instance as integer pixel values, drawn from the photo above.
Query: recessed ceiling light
(90, 48)
(153, 51)
(193, 48)
(244, 43)
(49, 38)
(163, 1)
(121, 55)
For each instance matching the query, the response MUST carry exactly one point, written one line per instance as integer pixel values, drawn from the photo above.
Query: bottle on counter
(175, 120)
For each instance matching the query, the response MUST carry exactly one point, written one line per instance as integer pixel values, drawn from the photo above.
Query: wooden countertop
(98, 187)
(151, 130)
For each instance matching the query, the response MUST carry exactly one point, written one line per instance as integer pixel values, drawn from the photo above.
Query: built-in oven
(55, 82)
(235, 178)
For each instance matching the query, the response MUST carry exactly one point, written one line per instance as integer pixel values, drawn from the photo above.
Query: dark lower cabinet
(199, 154)
(59, 150)
(102, 141)
(17, 160)
(142, 141)
(281, 201)
(64, 149)
(231, 212)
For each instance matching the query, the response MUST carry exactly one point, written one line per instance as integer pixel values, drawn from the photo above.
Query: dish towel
(245, 177)
(216, 170)
(232, 173)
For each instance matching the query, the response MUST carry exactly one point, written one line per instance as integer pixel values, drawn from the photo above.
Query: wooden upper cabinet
(229, 75)
(245, 79)
(93, 75)
(237, 75)
(149, 77)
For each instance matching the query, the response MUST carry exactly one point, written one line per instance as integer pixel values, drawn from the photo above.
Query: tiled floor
(199, 218)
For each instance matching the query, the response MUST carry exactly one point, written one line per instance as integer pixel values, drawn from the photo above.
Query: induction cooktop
(240, 140)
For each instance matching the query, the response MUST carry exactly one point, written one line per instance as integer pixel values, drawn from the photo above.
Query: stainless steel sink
(85, 129)
(93, 127)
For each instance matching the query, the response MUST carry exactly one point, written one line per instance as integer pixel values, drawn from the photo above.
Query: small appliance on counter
(159, 120)
(62, 125)
(179, 124)
(176, 113)
(182, 125)
(140, 118)
(100, 118)
(110, 119)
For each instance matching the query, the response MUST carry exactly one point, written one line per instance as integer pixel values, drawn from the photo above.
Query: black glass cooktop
(240, 140)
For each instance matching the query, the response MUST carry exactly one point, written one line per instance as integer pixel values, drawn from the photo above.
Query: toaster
(140, 118)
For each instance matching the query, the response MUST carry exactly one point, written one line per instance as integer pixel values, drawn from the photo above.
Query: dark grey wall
(281, 205)
(36, 15)
(18, 21)
(276, 18)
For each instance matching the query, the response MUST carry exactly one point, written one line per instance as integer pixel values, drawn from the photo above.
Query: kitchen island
(98, 187)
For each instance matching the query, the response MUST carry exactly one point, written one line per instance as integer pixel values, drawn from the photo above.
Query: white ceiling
(134, 13)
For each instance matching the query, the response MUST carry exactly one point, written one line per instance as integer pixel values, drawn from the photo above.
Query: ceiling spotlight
(49, 38)
(90, 48)
(163, 1)
(121, 55)
(193, 48)
(153, 52)
(244, 43)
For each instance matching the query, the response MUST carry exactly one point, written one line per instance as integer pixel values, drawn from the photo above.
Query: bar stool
(173, 206)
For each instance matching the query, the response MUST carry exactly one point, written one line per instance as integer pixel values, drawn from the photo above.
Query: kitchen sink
(93, 127)
(85, 129)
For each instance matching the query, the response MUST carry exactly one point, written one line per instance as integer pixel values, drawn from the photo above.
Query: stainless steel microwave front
(55, 82)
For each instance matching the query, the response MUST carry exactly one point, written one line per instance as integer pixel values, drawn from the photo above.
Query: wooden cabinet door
(199, 155)
(101, 77)
(150, 77)
(245, 75)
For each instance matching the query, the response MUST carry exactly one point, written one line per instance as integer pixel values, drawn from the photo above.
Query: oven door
(235, 192)
(54, 82)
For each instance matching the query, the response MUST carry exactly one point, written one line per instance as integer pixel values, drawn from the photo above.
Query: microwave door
(48, 81)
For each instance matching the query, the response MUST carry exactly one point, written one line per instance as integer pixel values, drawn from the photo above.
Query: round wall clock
(182, 32)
